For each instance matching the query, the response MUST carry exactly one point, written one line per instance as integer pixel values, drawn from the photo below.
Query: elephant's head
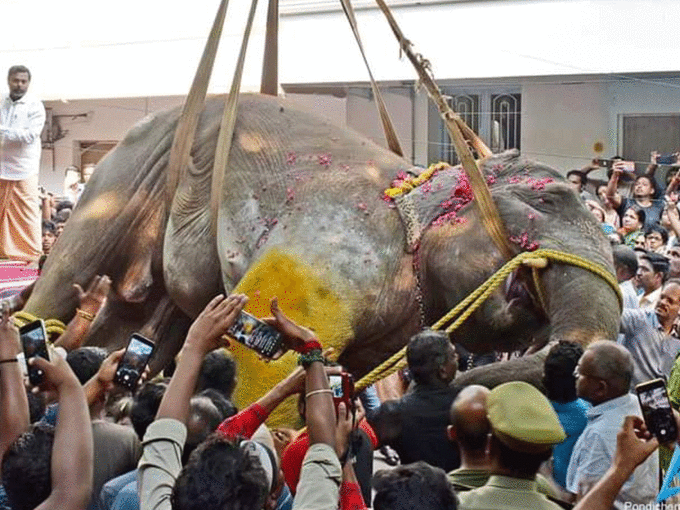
(538, 210)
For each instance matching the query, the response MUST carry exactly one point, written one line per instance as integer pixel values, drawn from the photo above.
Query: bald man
(603, 378)
(470, 429)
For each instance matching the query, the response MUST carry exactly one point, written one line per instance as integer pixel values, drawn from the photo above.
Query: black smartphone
(34, 342)
(257, 335)
(604, 163)
(342, 387)
(667, 159)
(134, 361)
(656, 409)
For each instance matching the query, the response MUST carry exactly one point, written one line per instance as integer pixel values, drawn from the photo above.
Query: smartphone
(604, 163)
(34, 342)
(257, 335)
(667, 159)
(342, 386)
(628, 166)
(134, 361)
(656, 409)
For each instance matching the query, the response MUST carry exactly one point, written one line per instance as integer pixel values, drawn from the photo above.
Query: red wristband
(309, 346)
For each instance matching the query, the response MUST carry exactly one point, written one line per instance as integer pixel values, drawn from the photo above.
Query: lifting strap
(270, 63)
(224, 139)
(388, 127)
(188, 120)
(460, 134)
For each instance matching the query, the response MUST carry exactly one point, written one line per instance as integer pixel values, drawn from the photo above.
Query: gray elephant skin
(303, 216)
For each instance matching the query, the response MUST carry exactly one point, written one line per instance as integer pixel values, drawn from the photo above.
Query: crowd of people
(78, 440)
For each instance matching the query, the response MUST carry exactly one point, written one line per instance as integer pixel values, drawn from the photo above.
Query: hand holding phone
(257, 335)
(342, 386)
(134, 361)
(34, 343)
(666, 159)
(657, 410)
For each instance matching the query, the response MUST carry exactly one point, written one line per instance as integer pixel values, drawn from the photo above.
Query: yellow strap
(474, 300)
(188, 121)
(227, 126)
(22, 318)
(388, 127)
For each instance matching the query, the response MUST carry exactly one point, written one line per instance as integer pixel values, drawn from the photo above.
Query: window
(495, 115)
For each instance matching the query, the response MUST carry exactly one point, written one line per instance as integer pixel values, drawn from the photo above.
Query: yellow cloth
(20, 226)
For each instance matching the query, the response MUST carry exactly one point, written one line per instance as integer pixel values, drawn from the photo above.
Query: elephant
(303, 216)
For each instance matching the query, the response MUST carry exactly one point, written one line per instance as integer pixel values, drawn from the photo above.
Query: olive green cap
(523, 418)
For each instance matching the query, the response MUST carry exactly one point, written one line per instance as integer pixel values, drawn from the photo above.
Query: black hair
(624, 256)
(659, 263)
(218, 371)
(580, 174)
(145, 405)
(204, 418)
(225, 406)
(520, 464)
(657, 228)
(85, 362)
(558, 371)
(652, 182)
(426, 352)
(18, 69)
(26, 468)
(221, 476)
(639, 212)
(36, 406)
(416, 485)
(49, 226)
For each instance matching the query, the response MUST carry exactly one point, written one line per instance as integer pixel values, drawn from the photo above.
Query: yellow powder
(306, 296)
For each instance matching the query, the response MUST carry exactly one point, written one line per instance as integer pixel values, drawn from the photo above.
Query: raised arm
(72, 450)
(14, 415)
(612, 185)
(204, 336)
(91, 301)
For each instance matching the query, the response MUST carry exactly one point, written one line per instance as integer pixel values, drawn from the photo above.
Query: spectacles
(578, 374)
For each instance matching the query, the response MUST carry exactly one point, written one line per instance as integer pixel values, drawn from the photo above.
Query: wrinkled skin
(302, 217)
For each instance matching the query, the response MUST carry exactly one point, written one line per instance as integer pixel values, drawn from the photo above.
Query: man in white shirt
(21, 122)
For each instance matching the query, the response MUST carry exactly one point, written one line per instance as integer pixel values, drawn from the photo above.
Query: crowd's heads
(218, 371)
(204, 418)
(416, 485)
(49, 236)
(558, 371)
(468, 417)
(625, 262)
(674, 261)
(431, 357)
(604, 372)
(645, 186)
(576, 180)
(656, 237)
(18, 79)
(652, 271)
(145, 405)
(221, 475)
(633, 219)
(85, 362)
(26, 468)
(668, 304)
(525, 428)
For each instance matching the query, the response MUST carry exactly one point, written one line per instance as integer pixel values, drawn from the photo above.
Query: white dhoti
(20, 220)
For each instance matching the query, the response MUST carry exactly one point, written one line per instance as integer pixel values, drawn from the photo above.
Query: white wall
(561, 122)
(108, 119)
(80, 49)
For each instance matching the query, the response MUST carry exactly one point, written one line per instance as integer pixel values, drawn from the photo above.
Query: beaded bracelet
(307, 359)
